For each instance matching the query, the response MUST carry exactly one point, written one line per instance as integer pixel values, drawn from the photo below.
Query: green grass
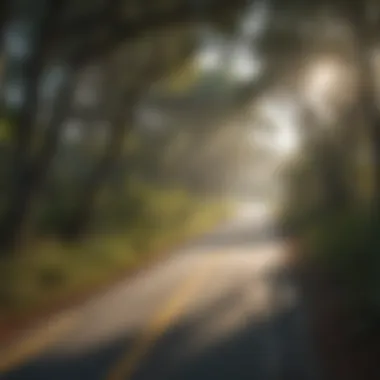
(52, 270)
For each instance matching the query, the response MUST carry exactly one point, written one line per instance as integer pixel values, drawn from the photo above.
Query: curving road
(223, 307)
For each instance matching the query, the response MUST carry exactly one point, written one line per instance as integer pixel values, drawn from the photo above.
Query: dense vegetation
(82, 193)
(75, 77)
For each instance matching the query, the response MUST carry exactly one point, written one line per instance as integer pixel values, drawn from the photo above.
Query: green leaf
(5, 131)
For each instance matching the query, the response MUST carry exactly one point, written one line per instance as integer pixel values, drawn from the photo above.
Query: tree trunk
(372, 118)
(82, 215)
(366, 38)
(29, 22)
(327, 151)
(19, 215)
(333, 177)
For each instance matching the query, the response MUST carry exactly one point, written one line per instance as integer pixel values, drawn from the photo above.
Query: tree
(74, 33)
(28, 22)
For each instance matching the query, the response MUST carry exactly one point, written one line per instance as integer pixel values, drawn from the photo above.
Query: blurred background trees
(132, 43)
(108, 105)
(76, 161)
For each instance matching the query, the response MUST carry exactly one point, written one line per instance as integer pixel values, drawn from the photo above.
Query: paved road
(224, 307)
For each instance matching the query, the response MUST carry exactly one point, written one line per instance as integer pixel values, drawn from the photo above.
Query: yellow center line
(128, 363)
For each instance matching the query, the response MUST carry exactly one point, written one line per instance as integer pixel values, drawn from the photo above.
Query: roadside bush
(348, 244)
(128, 231)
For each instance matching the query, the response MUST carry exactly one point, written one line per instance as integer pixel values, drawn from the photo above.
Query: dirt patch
(12, 325)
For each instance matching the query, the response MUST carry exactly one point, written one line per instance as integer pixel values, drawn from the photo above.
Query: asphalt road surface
(223, 307)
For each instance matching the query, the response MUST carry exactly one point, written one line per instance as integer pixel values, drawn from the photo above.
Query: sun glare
(327, 82)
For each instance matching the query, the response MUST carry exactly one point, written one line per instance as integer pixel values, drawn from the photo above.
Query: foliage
(181, 80)
(348, 243)
(134, 43)
(344, 241)
(53, 269)
(5, 131)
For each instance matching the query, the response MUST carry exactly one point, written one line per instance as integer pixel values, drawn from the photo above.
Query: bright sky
(255, 19)
(209, 58)
(284, 114)
(245, 65)
(237, 55)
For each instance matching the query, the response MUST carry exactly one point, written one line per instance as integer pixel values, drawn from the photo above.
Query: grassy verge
(53, 270)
